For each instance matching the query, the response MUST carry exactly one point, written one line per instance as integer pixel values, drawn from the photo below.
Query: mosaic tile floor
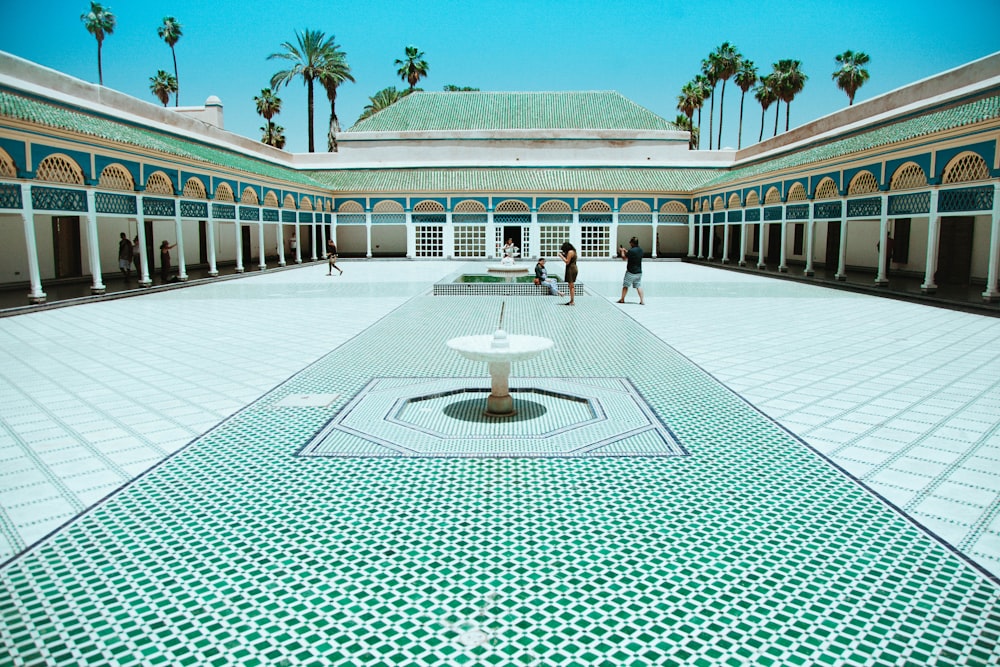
(753, 549)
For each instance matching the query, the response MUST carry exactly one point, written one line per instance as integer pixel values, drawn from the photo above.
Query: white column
(810, 244)
(181, 263)
(725, 241)
(213, 269)
(883, 244)
(368, 235)
(783, 255)
(35, 295)
(449, 236)
(411, 236)
(933, 239)
(322, 235)
(700, 236)
(312, 231)
(692, 232)
(575, 233)
(762, 242)
(279, 235)
(491, 233)
(298, 239)
(993, 263)
(140, 223)
(842, 251)
(93, 246)
(656, 225)
(742, 261)
(613, 246)
(260, 242)
(239, 246)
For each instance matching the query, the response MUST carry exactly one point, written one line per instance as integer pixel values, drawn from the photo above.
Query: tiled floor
(752, 549)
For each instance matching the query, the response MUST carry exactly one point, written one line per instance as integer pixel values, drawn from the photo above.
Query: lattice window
(555, 206)
(772, 196)
(195, 189)
(159, 183)
(753, 199)
(595, 241)
(551, 238)
(249, 196)
(635, 207)
(697, 206)
(388, 207)
(704, 205)
(351, 207)
(595, 207)
(797, 193)
(734, 200)
(224, 193)
(908, 177)
(863, 183)
(674, 207)
(59, 169)
(966, 168)
(469, 206)
(116, 177)
(270, 199)
(7, 167)
(289, 202)
(827, 189)
(305, 204)
(718, 204)
(470, 240)
(512, 206)
(428, 207)
(429, 241)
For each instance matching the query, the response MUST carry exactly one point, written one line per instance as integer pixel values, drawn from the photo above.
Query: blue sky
(642, 48)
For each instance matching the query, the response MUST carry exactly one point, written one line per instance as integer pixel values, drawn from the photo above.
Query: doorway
(773, 244)
(955, 251)
(832, 259)
(66, 246)
(245, 236)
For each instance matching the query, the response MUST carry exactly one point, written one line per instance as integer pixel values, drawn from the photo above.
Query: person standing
(124, 255)
(567, 253)
(542, 278)
(165, 261)
(136, 258)
(633, 269)
(331, 258)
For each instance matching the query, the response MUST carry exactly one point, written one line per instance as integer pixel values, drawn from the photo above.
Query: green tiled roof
(938, 121)
(501, 179)
(49, 115)
(593, 110)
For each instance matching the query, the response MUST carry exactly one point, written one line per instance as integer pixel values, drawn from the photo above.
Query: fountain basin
(501, 346)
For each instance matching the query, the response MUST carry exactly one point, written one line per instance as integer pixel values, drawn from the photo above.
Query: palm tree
(381, 100)
(791, 81)
(268, 106)
(413, 67)
(745, 78)
(99, 22)
(683, 121)
(727, 61)
(703, 90)
(687, 103)
(162, 85)
(334, 72)
(710, 72)
(170, 32)
(852, 73)
(764, 93)
(308, 57)
(452, 88)
(273, 135)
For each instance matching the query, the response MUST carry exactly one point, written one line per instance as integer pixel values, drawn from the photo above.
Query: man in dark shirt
(542, 278)
(633, 269)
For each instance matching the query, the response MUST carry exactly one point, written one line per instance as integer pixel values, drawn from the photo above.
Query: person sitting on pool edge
(542, 278)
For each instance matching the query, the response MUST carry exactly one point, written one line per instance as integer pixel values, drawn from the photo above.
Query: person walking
(633, 269)
(137, 258)
(567, 253)
(331, 258)
(542, 278)
(124, 255)
(165, 261)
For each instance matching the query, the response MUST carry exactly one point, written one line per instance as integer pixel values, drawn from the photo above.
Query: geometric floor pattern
(752, 549)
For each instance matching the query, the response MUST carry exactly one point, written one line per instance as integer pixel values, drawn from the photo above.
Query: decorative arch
(58, 168)
(249, 196)
(965, 168)
(306, 204)
(863, 183)
(908, 176)
(270, 199)
(8, 168)
(512, 206)
(116, 177)
(351, 207)
(734, 200)
(753, 199)
(635, 207)
(697, 206)
(796, 193)
(159, 183)
(288, 202)
(428, 207)
(224, 193)
(388, 207)
(469, 206)
(674, 207)
(195, 188)
(704, 204)
(595, 207)
(773, 196)
(827, 189)
(554, 206)
(718, 204)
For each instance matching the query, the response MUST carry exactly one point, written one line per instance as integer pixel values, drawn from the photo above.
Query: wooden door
(66, 246)
(833, 245)
(955, 251)
(245, 229)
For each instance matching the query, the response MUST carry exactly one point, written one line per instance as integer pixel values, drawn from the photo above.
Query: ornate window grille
(305, 204)
(428, 207)
(249, 196)
(511, 206)
(551, 238)
(772, 196)
(195, 189)
(116, 177)
(734, 200)
(635, 207)
(429, 241)
(752, 199)
(470, 240)
(59, 169)
(224, 193)
(595, 241)
(827, 189)
(270, 199)
(863, 183)
(966, 168)
(7, 167)
(717, 204)
(909, 176)
(289, 202)
(159, 183)
(796, 193)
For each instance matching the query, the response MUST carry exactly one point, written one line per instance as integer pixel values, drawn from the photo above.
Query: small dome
(213, 101)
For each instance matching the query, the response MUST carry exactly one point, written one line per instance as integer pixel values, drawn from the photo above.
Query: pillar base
(98, 290)
(145, 283)
(36, 298)
(762, 267)
(239, 269)
(281, 264)
(991, 296)
(928, 289)
(213, 274)
(742, 264)
(881, 282)
(782, 269)
(809, 273)
(841, 278)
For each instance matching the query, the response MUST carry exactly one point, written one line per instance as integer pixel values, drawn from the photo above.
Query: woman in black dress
(567, 253)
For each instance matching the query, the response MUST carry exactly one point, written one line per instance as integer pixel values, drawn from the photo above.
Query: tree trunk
(100, 72)
(722, 103)
(177, 93)
(711, 115)
(309, 87)
(788, 111)
(739, 134)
